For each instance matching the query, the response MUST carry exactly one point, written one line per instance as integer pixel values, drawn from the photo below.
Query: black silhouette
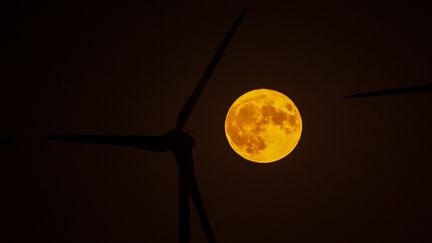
(395, 91)
(179, 142)
(5, 141)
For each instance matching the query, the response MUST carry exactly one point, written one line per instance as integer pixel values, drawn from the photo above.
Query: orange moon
(263, 126)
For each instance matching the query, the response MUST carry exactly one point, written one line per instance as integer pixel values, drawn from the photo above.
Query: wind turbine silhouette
(179, 142)
(394, 91)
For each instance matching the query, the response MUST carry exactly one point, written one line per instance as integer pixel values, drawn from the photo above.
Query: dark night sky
(359, 174)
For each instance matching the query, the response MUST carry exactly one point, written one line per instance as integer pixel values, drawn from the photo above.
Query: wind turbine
(394, 91)
(179, 142)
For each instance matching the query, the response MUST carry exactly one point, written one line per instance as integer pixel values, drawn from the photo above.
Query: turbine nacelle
(178, 140)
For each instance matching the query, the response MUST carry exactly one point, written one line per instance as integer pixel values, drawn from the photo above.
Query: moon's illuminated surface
(263, 125)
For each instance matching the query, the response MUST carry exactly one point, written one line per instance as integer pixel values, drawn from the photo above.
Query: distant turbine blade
(395, 91)
(151, 143)
(185, 112)
(185, 161)
(5, 141)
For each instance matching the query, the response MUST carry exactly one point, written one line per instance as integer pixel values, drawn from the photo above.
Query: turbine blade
(395, 91)
(193, 98)
(186, 166)
(151, 143)
(5, 141)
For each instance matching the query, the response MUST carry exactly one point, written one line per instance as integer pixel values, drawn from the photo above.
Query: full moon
(263, 125)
